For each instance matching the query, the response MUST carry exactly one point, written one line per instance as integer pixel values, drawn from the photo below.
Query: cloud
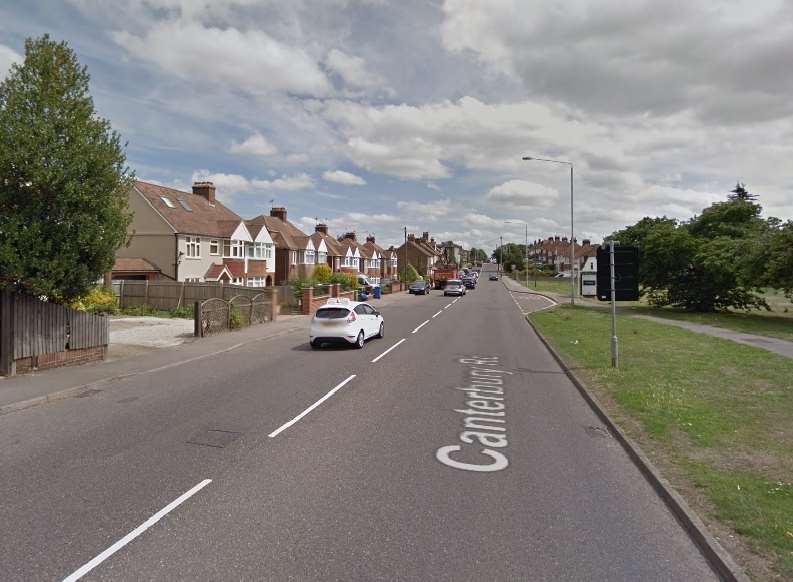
(255, 145)
(229, 184)
(522, 194)
(250, 60)
(342, 177)
(427, 210)
(353, 71)
(8, 57)
(296, 182)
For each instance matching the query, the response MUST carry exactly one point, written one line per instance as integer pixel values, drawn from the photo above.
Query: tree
(700, 265)
(63, 178)
(477, 255)
(779, 259)
(741, 193)
(511, 255)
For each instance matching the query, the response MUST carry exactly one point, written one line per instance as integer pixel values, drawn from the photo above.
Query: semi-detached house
(191, 236)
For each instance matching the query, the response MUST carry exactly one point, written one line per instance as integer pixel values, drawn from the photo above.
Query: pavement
(461, 453)
(776, 345)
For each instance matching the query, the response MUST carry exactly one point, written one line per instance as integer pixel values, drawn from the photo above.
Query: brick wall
(61, 359)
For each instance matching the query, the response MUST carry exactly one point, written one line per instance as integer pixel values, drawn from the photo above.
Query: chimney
(370, 239)
(205, 189)
(564, 239)
(412, 237)
(323, 228)
(557, 237)
(425, 236)
(278, 212)
(349, 235)
(586, 242)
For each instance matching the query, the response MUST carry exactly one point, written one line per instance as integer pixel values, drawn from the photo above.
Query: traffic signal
(626, 273)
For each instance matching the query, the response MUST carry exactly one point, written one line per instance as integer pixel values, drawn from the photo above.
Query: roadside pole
(500, 253)
(615, 358)
(526, 266)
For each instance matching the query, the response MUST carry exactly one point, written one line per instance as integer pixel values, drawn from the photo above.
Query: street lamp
(526, 266)
(572, 230)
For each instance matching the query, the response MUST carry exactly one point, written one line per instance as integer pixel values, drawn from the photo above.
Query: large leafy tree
(477, 255)
(703, 264)
(511, 255)
(63, 177)
(778, 260)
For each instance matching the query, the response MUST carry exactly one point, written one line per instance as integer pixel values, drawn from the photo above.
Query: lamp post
(572, 230)
(526, 266)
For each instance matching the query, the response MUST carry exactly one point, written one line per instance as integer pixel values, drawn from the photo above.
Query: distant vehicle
(469, 282)
(493, 277)
(345, 322)
(420, 287)
(562, 276)
(444, 273)
(454, 287)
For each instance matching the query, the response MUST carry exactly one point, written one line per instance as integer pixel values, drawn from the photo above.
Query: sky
(372, 115)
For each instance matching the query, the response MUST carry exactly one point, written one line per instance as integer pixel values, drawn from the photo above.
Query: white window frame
(309, 257)
(322, 258)
(237, 280)
(260, 250)
(255, 281)
(192, 247)
(234, 249)
(214, 244)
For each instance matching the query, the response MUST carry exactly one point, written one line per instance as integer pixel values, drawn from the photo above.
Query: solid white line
(437, 314)
(88, 566)
(419, 327)
(388, 350)
(283, 427)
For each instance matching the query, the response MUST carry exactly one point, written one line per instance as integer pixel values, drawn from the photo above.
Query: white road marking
(448, 306)
(285, 426)
(88, 566)
(456, 300)
(437, 314)
(419, 327)
(388, 350)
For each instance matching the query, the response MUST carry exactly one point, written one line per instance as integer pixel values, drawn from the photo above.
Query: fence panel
(39, 327)
(88, 330)
(173, 294)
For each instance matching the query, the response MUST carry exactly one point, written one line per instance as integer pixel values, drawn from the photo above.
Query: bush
(98, 299)
(411, 275)
(235, 318)
(348, 281)
(300, 283)
(323, 274)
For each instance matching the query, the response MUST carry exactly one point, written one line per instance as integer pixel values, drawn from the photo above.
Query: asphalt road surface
(464, 453)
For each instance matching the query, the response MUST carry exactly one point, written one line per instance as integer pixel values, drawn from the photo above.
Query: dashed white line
(437, 314)
(285, 426)
(88, 566)
(455, 301)
(419, 327)
(448, 306)
(388, 350)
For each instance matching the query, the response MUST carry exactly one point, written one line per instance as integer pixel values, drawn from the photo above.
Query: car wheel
(314, 345)
(381, 333)
(360, 341)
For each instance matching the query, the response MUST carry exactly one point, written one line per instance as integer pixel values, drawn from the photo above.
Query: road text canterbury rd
(484, 419)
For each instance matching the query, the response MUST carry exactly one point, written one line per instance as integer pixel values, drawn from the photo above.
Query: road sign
(626, 273)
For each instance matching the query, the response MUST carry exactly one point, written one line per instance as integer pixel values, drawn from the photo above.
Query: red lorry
(442, 273)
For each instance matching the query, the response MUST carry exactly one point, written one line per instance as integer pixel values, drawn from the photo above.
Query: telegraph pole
(405, 268)
(500, 253)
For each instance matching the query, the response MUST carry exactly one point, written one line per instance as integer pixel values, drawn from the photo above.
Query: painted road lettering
(484, 420)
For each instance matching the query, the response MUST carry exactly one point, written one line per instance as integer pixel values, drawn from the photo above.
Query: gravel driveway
(152, 332)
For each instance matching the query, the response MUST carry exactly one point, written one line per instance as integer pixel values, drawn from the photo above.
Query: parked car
(454, 287)
(420, 287)
(469, 282)
(562, 276)
(345, 322)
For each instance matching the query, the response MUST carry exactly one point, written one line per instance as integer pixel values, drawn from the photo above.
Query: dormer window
(167, 201)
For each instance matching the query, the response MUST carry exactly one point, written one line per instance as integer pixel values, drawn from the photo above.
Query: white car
(341, 321)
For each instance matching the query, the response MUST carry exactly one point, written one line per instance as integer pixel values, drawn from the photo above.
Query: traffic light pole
(615, 357)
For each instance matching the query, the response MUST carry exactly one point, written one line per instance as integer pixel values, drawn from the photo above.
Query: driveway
(134, 335)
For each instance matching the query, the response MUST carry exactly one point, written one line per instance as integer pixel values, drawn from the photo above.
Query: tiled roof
(374, 246)
(235, 266)
(334, 248)
(133, 265)
(290, 236)
(215, 271)
(203, 218)
(257, 268)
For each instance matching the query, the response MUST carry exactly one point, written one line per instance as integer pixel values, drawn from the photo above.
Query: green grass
(141, 310)
(721, 413)
(546, 284)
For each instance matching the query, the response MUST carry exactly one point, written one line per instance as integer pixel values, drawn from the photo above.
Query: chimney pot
(349, 235)
(278, 212)
(205, 190)
(425, 236)
(370, 239)
(323, 228)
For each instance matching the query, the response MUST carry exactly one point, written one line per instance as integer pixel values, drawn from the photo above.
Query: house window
(262, 250)
(214, 247)
(322, 258)
(167, 201)
(308, 257)
(193, 244)
(234, 249)
(236, 281)
(255, 281)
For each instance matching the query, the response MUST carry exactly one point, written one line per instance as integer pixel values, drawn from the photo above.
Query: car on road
(454, 287)
(420, 287)
(469, 282)
(493, 277)
(345, 322)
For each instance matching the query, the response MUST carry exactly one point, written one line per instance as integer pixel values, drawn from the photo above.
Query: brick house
(422, 253)
(295, 253)
(555, 252)
(190, 236)
(352, 260)
(391, 263)
(332, 249)
(378, 257)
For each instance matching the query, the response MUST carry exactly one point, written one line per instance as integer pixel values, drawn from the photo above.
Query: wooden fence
(36, 333)
(174, 294)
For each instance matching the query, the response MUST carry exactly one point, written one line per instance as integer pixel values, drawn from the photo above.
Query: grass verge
(718, 414)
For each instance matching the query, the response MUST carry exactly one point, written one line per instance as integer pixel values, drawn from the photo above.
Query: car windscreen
(418, 284)
(332, 313)
(452, 282)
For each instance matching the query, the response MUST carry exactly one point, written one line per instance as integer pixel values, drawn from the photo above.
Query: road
(464, 453)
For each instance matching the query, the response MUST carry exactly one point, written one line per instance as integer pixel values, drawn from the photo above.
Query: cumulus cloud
(229, 184)
(342, 177)
(353, 71)
(250, 60)
(427, 210)
(522, 194)
(255, 145)
(8, 57)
